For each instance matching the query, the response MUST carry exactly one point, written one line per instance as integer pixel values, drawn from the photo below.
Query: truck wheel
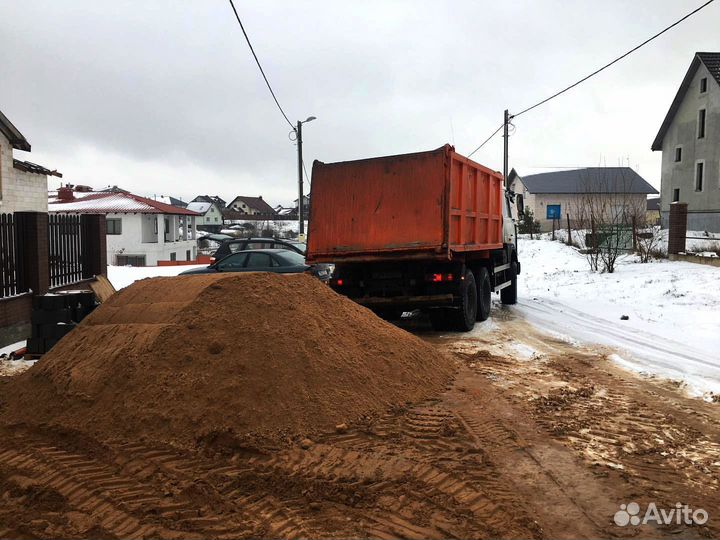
(508, 295)
(484, 288)
(463, 318)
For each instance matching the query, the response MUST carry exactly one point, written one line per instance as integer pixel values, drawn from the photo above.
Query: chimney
(65, 193)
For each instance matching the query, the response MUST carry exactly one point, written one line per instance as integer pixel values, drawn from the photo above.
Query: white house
(552, 196)
(23, 185)
(209, 214)
(140, 231)
(251, 205)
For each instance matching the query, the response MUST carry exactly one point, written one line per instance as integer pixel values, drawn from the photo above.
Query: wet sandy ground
(536, 438)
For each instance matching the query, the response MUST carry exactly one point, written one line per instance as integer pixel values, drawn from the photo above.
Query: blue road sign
(553, 211)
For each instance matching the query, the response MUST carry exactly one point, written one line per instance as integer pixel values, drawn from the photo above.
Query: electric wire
(693, 12)
(260, 66)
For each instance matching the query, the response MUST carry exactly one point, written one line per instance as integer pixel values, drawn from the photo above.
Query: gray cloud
(164, 97)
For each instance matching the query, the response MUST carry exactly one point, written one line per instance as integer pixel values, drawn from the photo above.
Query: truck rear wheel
(484, 288)
(463, 318)
(508, 295)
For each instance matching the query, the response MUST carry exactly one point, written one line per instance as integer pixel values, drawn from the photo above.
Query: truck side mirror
(520, 206)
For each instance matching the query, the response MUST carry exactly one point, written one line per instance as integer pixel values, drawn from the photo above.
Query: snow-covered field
(673, 329)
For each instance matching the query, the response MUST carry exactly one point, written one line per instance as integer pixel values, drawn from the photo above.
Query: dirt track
(534, 440)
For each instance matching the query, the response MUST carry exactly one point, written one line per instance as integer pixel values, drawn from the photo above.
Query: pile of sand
(247, 358)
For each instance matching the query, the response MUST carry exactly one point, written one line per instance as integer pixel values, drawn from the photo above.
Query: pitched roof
(172, 201)
(588, 180)
(199, 207)
(34, 168)
(211, 199)
(256, 203)
(115, 203)
(711, 60)
(17, 139)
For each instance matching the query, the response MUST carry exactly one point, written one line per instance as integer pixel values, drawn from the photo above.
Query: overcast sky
(163, 97)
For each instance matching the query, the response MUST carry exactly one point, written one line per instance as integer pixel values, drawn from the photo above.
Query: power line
(616, 60)
(596, 71)
(486, 140)
(258, 64)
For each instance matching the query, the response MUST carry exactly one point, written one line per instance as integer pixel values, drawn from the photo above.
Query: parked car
(279, 261)
(243, 244)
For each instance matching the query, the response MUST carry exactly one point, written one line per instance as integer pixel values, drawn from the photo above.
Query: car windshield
(290, 258)
(299, 245)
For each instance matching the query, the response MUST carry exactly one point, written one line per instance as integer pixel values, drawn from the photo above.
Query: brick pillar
(31, 235)
(677, 230)
(94, 242)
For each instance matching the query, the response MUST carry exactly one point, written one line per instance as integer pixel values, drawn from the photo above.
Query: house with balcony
(689, 139)
(140, 231)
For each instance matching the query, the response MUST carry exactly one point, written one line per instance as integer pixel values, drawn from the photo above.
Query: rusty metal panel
(476, 197)
(411, 205)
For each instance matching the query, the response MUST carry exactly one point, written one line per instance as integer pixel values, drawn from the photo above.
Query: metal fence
(65, 249)
(9, 257)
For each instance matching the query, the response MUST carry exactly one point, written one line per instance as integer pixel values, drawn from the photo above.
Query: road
(638, 350)
(536, 437)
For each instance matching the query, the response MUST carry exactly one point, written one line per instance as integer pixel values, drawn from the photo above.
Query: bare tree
(648, 243)
(606, 209)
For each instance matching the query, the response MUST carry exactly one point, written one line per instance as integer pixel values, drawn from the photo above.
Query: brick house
(23, 185)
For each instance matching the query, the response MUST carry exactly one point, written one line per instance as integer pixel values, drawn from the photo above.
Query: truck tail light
(437, 278)
(337, 282)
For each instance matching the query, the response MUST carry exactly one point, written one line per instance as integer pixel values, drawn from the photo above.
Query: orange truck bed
(428, 204)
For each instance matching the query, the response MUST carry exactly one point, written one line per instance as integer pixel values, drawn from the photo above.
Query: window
(703, 85)
(259, 245)
(130, 260)
(114, 226)
(259, 260)
(235, 246)
(699, 174)
(173, 256)
(233, 262)
(553, 211)
(155, 230)
(678, 154)
(188, 257)
(676, 195)
(701, 124)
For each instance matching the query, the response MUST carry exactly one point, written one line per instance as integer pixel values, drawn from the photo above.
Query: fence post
(634, 233)
(31, 234)
(93, 228)
(569, 232)
(677, 230)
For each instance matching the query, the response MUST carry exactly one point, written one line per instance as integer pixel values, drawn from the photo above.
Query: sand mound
(247, 358)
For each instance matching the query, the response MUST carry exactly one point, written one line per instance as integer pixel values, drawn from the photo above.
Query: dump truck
(431, 230)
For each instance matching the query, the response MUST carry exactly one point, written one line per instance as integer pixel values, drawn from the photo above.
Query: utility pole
(301, 218)
(506, 121)
(298, 134)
